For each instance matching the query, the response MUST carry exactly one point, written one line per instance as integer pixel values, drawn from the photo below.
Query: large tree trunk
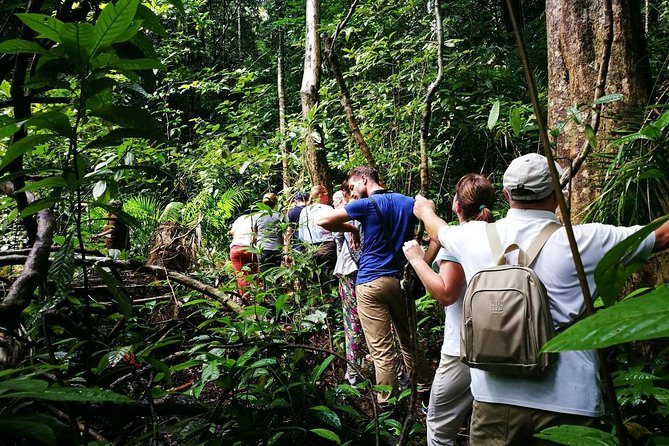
(317, 165)
(595, 48)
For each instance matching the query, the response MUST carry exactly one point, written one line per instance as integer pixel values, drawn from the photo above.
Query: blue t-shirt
(376, 258)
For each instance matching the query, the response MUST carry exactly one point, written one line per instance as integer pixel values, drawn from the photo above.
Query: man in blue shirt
(381, 302)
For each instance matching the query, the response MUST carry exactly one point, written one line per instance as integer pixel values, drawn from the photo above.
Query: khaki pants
(503, 424)
(381, 305)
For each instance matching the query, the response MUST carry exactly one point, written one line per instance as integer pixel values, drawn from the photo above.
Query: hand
(355, 240)
(413, 251)
(423, 207)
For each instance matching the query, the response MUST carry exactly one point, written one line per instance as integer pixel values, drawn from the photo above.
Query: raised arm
(336, 220)
(444, 286)
(423, 209)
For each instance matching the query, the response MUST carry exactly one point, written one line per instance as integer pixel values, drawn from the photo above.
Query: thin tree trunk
(427, 103)
(331, 54)
(283, 145)
(315, 156)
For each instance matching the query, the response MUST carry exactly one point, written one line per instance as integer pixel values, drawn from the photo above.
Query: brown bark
(315, 156)
(585, 61)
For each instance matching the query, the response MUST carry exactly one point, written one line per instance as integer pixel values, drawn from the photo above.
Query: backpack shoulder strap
(538, 243)
(495, 243)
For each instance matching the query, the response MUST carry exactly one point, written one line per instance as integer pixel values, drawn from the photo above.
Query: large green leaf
(318, 371)
(53, 120)
(23, 427)
(116, 289)
(493, 116)
(116, 136)
(328, 434)
(23, 146)
(126, 116)
(635, 319)
(39, 205)
(18, 46)
(71, 394)
(327, 415)
(23, 385)
(577, 436)
(44, 25)
(611, 273)
(8, 126)
(47, 183)
(78, 40)
(113, 22)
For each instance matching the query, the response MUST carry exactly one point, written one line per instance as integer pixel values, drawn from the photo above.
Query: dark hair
(367, 171)
(476, 197)
(301, 196)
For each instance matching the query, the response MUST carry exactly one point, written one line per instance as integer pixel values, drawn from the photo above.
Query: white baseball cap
(528, 178)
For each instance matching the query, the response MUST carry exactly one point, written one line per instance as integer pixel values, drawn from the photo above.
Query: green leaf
(607, 99)
(493, 116)
(151, 20)
(577, 436)
(23, 427)
(115, 287)
(326, 415)
(23, 385)
(45, 26)
(318, 371)
(515, 121)
(54, 120)
(662, 121)
(116, 136)
(23, 146)
(71, 394)
(125, 116)
(640, 318)
(113, 22)
(78, 40)
(8, 126)
(99, 189)
(61, 271)
(39, 205)
(47, 183)
(591, 136)
(327, 434)
(19, 46)
(115, 356)
(612, 273)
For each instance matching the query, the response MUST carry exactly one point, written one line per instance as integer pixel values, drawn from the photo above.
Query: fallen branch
(133, 265)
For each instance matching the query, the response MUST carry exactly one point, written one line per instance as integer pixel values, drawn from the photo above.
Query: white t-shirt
(573, 385)
(453, 312)
(309, 231)
(346, 263)
(242, 231)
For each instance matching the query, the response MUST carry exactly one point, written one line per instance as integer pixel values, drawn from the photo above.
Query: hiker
(510, 409)
(346, 270)
(116, 233)
(268, 235)
(317, 237)
(381, 301)
(243, 260)
(450, 397)
(293, 238)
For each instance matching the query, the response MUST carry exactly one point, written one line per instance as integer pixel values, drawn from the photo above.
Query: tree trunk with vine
(315, 155)
(595, 48)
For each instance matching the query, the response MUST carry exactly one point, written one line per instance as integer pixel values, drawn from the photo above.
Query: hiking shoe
(423, 408)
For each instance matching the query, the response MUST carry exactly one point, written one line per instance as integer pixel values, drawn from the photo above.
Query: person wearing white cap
(508, 410)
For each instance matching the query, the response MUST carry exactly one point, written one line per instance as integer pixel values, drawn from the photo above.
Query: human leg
(450, 400)
(376, 323)
(352, 328)
(399, 309)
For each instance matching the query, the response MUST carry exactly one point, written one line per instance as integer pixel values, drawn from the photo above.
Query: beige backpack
(505, 314)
